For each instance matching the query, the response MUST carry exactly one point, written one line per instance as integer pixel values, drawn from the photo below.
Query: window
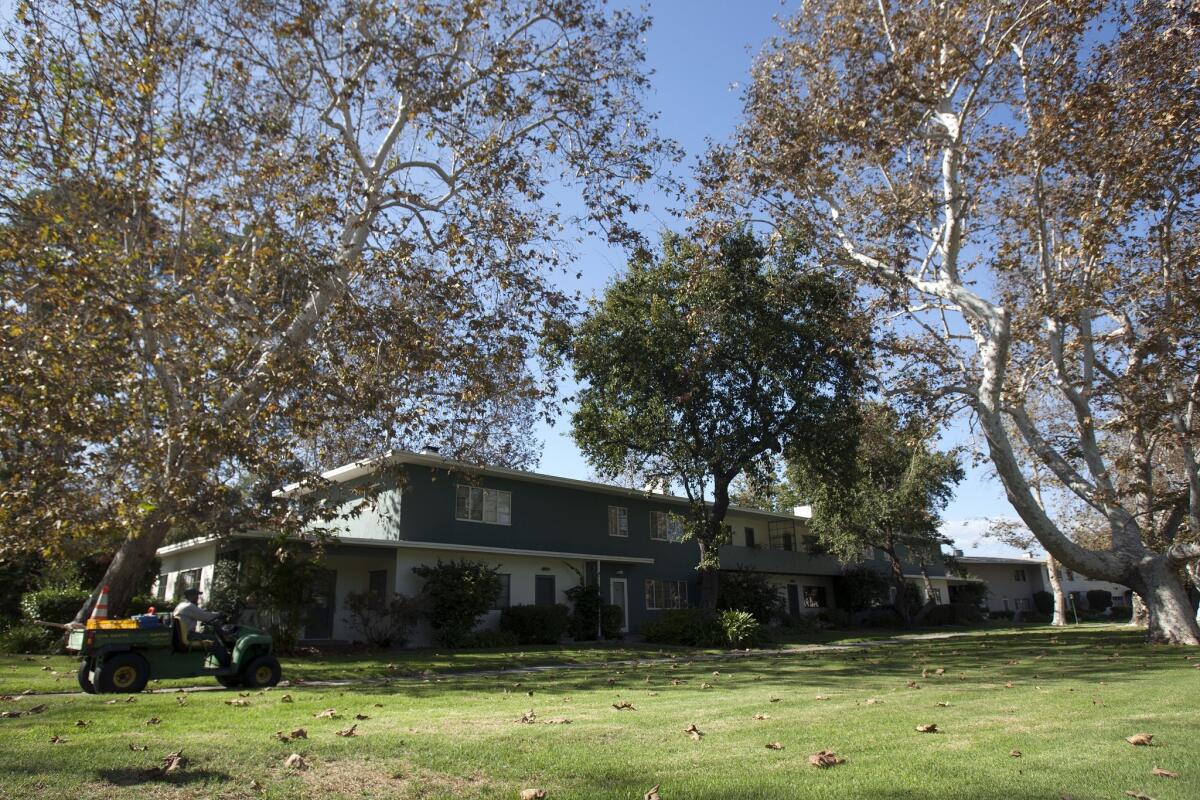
(665, 527)
(1019, 575)
(935, 594)
(867, 553)
(504, 596)
(1022, 603)
(618, 521)
(814, 597)
(483, 505)
(543, 590)
(782, 534)
(665, 594)
(1070, 575)
(749, 537)
(188, 579)
(1006, 604)
(160, 587)
(377, 587)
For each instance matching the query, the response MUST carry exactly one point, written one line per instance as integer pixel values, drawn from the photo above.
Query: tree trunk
(1060, 599)
(900, 586)
(929, 598)
(1172, 620)
(1140, 615)
(131, 562)
(1193, 571)
(709, 578)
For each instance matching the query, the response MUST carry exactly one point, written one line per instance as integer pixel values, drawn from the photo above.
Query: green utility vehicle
(123, 655)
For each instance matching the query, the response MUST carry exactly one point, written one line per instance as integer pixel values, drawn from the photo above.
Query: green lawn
(1075, 695)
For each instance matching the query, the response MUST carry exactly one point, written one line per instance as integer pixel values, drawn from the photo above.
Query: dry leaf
(174, 761)
(58, 739)
(1138, 795)
(940, 671)
(299, 733)
(776, 699)
(706, 686)
(774, 746)
(717, 672)
(928, 728)
(153, 721)
(237, 702)
(1008, 685)
(822, 697)
(361, 717)
(912, 685)
(652, 794)
(825, 759)
(328, 713)
(295, 761)
(1140, 739)
(36, 709)
(558, 721)
(1164, 773)
(287, 698)
(676, 682)
(1014, 753)
(694, 732)
(624, 704)
(81, 723)
(528, 717)
(762, 716)
(533, 794)
(943, 704)
(348, 732)
(131, 699)
(874, 701)
(138, 748)
(181, 701)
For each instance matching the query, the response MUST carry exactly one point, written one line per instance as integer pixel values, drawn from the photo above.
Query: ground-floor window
(543, 590)
(504, 596)
(188, 579)
(377, 587)
(935, 594)
(814, 597)
(1022, 603)
(160, 587)
(665, 594)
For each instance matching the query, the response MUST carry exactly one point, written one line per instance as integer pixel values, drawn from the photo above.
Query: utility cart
(123, 655)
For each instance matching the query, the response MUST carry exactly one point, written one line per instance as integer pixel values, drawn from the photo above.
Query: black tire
(84, 676)
(230, 681)
(261, 671)
(125, 673)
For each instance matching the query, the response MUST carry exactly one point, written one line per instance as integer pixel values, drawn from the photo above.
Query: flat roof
(998, 560)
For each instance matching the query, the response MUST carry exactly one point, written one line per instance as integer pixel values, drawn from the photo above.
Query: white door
(618, 595)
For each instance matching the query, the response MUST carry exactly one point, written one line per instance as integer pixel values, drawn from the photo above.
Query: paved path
(629, 662)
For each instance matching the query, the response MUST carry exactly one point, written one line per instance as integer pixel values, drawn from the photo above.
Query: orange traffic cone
(100, 610)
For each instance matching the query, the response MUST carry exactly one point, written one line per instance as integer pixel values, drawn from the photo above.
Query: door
(320, 599)
(793, 592)
(543, 590)
(618, 595)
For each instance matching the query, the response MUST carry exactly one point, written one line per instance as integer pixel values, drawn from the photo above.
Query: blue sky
(701, 52)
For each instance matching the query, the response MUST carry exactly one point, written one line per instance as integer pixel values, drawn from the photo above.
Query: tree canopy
(698, 362)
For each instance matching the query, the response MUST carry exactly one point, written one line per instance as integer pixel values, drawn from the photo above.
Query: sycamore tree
(891, 501)
(699, 361)
(230, 227)
(1018, 182)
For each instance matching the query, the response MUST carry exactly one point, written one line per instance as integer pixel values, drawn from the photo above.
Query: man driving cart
(192, 614)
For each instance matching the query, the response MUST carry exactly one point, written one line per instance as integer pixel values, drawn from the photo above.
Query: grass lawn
(1074, 695)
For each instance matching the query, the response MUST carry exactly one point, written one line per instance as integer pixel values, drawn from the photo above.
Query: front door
(543, 590)
(320, 601)
(618, 595)
(793, 592)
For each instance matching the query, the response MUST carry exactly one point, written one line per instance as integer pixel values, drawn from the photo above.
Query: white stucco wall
(202, 558)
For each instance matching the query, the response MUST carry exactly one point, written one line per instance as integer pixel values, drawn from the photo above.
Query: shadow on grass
(126, 776)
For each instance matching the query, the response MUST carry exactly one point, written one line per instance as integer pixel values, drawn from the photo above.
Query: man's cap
(191, 593)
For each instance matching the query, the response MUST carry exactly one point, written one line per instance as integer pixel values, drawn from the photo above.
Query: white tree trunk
(1060, 599)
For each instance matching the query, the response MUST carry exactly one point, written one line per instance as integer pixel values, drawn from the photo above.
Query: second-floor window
(618, 521)
(1019, 575)
(665, 528)
(477, 504)
(782, 534)
(665, 594)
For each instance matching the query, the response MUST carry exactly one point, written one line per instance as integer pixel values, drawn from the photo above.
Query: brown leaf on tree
(533, 794)
(1164, 773)
(652, 794)
(825, 759)
(328, 713)
(694, 732)
(348, 732)
(1014, 753)
(528, 718)
(623, 704)
(295, 761)
(774, 746)
(927, 728)
(1140, 739)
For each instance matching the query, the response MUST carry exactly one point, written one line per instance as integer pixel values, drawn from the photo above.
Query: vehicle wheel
(262, 671)
(84, 675)
(127, 673)
(230, 681)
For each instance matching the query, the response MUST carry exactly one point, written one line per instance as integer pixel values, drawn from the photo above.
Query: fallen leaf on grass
(822, 697)
(81, 723)
(1164, 773)
(825, 759)
(1138, 795)
(9, 714)
(1014, 753)
(328, 713)
(361, 717)
(287, 698)
(940, 671)
(138, 748)
(874, 701)
(912, 685)
(58, 739)
(153, 721)
(173, 762)
(774, 746)
(652, 794)
(706, 686)
(237, 702)
(528, 718)
(1140, 739)
(348, 732)
(623, 704)
(676, 682)
(110, 702)
(181, 700)
(928, 728)
(295, 761)
(943, 704)
(36, 709)
(776, 699)
(1008, 685)
(130, 699)
(533, 794)
(694, 732)
(762, 716)
(558, 721)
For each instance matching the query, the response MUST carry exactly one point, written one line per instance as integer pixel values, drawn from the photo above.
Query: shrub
(801, 623)
(381, 623)
(1043, 601)
(53, 603)
(536, 624)
(881, 617)
(587, 606)
(693, 627)
(834, 617)
(275, 584)
(457, 594)
(1000, 615)
(860, 588)
(490, 638)
(954, 614)
(1099, 599)
(972, 594)
(24, 638)
(752, 592)
(741, 629)
(1121, 614)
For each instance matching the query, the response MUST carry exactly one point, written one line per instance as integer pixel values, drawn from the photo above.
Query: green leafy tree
(229, 229)
(698, 362)
(899, 486)
(456, 594)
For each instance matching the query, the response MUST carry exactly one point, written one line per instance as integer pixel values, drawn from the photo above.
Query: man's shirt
(191, 614)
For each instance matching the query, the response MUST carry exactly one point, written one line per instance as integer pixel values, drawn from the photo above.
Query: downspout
(599, 606)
